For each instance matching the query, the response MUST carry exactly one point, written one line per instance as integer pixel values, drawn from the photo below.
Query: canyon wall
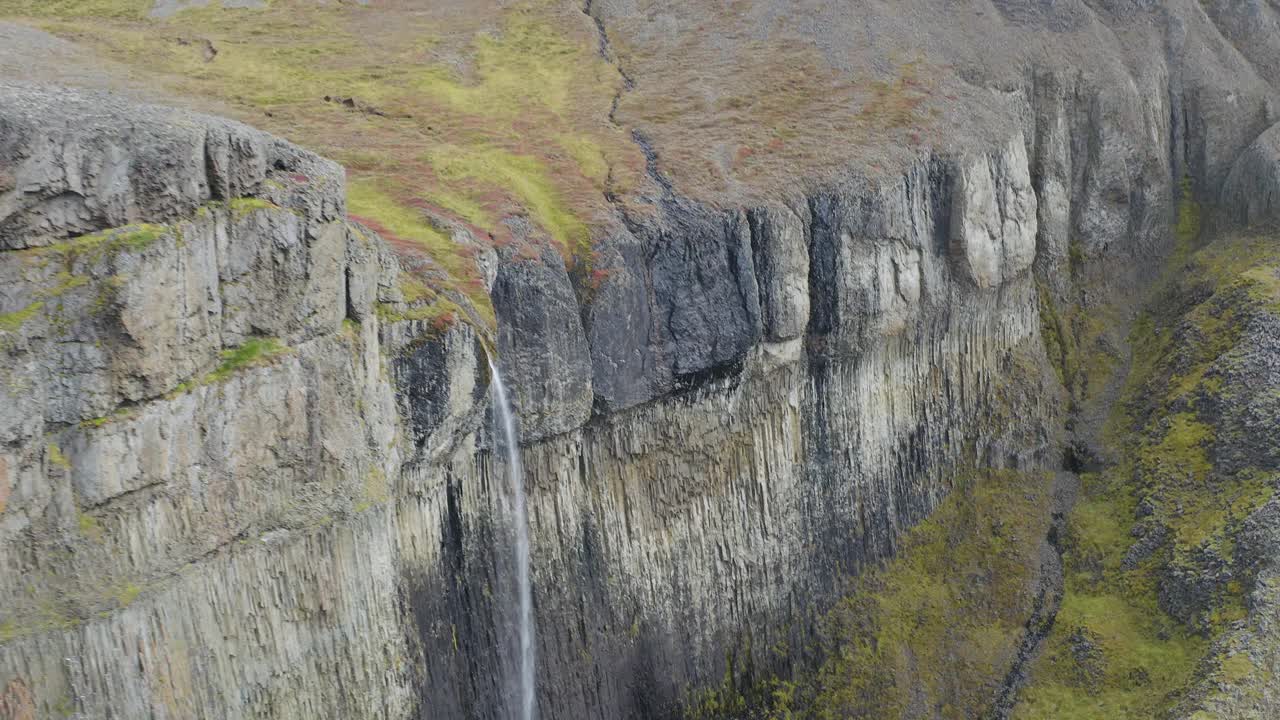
(238, 480)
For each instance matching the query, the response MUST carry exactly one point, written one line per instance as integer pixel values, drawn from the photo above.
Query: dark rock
(542, 349)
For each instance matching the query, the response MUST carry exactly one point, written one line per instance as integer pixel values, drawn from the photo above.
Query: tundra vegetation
(450, 121)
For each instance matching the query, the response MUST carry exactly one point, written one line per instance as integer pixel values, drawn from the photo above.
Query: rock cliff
(245, 464)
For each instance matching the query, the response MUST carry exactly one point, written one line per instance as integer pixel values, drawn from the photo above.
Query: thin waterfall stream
(504, 419)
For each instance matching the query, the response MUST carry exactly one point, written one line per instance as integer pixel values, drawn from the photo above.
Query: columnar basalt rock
(993, 223)
(197, 445)
(236, 482)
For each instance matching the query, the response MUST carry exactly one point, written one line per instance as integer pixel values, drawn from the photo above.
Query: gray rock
(81, 161)
(779, 239)
(679, 303)
(778, 393)
(993, 221)
(1251, 193)
(542, 350)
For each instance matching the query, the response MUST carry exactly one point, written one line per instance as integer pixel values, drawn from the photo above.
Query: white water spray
(504, 418)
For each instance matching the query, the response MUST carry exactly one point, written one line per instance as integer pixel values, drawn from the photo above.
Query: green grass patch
(126, 594)
(243, 206)
(57, 457)
(94, 246)
(470, 118)
(943, 619)
(524, 176)
(255, 352)
(78, 9)
(1115, 651)
(938, 624)
(89, 526)
(12, 322)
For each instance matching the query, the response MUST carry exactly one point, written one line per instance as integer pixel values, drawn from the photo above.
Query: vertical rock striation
(235, 481)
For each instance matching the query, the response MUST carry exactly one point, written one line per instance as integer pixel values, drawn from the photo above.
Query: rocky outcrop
(203, 403)
(993, 224)
(187, 411)
(542, 344)
(1251, 195)
(78, 163)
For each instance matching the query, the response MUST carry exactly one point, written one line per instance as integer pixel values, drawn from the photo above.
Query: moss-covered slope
(1154, 568)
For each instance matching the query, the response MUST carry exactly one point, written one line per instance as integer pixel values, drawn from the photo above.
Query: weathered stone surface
(993, 221)
(779, 239)
(778, 389)
(1251, 194)
(542, 349)
(81, 161)
(679, 302)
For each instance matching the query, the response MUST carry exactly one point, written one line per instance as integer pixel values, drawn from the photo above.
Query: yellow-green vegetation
(11, 322)
(243, 206)
(89, 526)
(441, 116)
(1112, 651)
(119, 414)
(72, 255)
(1059, 341)
(126, 238)
(127, 593)
(1190, 221)
(57, 457)
(1074, 341)
(1116, 650)
(375, 491)
(939, 624)
(256, 351)
(942, 622)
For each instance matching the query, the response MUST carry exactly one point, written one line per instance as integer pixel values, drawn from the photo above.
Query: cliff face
(241, 475)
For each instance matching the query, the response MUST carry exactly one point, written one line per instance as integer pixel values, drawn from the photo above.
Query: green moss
(129, 237)
(12, 322)
(1059, 343)
(439, 313)
(1237, 668)
(939, 624)
(89, 526)
(57, 457)
(119, 414)
(255, 352)
(1190, 221)
(1114, 651)
(243, 206)
(951, 606)
(126, 594)
(1109, 657)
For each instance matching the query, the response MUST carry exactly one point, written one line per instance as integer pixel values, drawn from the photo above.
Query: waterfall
(504, 419)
